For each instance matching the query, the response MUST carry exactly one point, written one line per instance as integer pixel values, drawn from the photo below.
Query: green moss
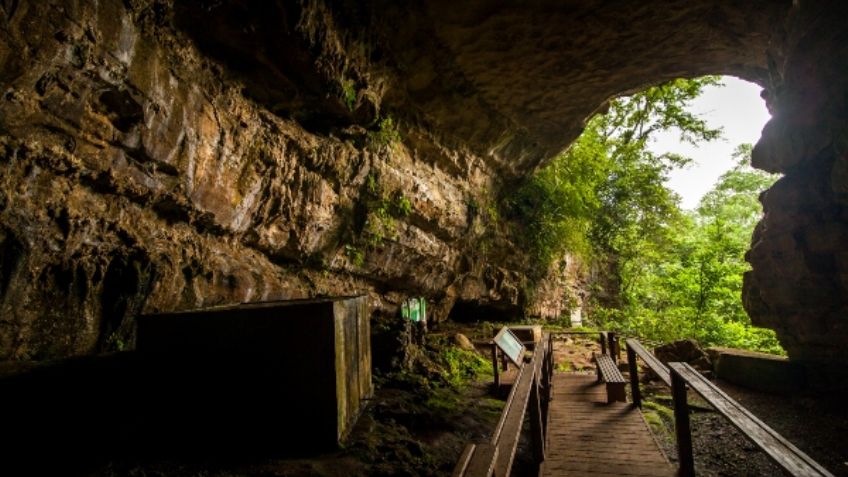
(460, 366)
(663, 412)
(655, 422)
(348, 93)
(444, 401)
(356, 255)
(381, 210)
(386, 135)
(564, 366)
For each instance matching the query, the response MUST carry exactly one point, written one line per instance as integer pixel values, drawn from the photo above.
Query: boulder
(463, 342)
(686, 351)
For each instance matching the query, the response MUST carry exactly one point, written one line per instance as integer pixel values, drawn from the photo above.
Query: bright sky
(736, 107)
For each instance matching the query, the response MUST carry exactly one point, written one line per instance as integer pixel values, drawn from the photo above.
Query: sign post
(511, 346)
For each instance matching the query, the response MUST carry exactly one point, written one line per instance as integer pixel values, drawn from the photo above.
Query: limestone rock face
(146, 168)
(158, 155)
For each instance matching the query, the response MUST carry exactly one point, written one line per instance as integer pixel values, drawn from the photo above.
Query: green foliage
(386, 135)
(667, 273)
(348, 93)
(606, 192)
(690, 285)
(401, 205)
(356, 255)
(381, 210)
(564, 367)
(114, 342)
(460, 366)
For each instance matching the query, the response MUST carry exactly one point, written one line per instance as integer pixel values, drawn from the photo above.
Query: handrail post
(603, 340)
(681, 426)
(547, 371)
(636, 394)
(617, 348)
(536, 427)
(613, 349)
(497, 374)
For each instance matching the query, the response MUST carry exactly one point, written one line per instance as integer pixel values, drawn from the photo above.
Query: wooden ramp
(588, 437)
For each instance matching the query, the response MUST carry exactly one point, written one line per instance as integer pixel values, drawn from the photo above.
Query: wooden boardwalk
(588, 437)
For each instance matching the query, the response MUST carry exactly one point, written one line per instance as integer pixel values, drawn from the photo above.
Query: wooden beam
(482, 463)
(681, 427)
(512, 419)
(635, 392)
(537, 430)
(612, 346)
(495, 371)
(651, 361)
(464, 458)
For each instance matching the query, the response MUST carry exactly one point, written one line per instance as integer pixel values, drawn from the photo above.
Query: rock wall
(159, 154)
(799, 282)
(138, 175)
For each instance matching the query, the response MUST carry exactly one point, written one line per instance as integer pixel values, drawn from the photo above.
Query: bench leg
(616, 392)
(597, 367)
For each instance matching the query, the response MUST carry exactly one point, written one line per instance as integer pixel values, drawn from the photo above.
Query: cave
(167, 155)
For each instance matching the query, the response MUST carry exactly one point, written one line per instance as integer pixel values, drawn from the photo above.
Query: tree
(691, 288)
(670, 274)
(606, 193)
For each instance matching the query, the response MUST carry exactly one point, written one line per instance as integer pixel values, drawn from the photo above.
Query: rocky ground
(721, 450)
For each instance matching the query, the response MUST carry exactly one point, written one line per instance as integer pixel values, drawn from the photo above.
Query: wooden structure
(291, 373)
(786, 455)
(576, 430)
(531, 390)
(634, 348)
(680, 375)
(589, 437)
(507, 347)
(612, 378)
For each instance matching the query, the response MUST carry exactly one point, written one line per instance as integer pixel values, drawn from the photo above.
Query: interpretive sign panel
(414, 309)
(510, 345)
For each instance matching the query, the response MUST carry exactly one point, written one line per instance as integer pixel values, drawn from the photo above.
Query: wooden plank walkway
(588, 437)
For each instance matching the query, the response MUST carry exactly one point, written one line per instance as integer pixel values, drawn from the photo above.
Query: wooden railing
(634, 348)
(531, 389)
(678, 376)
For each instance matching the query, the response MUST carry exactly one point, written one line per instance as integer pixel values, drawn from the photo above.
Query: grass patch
(666, 413)
(459, 366)
(565, 367)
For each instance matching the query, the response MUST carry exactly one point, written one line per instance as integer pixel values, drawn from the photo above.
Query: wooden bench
(608, 373)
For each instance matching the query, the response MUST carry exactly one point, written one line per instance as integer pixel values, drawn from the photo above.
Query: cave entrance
(659, 193)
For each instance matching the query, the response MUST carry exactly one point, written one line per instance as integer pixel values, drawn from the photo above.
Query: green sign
(414, 309)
